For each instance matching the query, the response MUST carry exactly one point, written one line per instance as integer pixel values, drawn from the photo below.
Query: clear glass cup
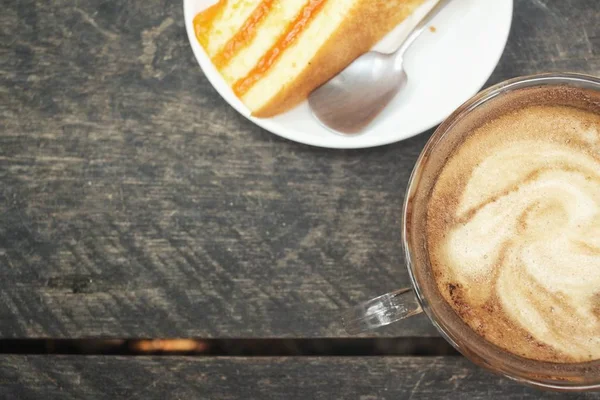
(424, 295)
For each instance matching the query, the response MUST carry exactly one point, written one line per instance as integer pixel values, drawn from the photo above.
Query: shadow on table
(405, 346)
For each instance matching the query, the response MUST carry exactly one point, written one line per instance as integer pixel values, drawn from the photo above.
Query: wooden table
(135, 203)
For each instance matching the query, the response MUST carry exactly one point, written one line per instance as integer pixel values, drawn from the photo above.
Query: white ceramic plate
(446, 66)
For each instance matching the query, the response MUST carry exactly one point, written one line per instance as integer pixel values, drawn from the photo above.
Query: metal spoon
(353, 98)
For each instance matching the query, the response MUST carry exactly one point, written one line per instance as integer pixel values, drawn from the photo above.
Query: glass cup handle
(381, 311)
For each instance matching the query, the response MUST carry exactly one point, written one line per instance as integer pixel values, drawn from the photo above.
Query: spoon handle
(416, 32)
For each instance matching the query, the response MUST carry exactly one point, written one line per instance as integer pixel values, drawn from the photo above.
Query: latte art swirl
(514, 233)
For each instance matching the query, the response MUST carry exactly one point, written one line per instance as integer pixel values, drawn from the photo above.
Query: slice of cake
(273, 53)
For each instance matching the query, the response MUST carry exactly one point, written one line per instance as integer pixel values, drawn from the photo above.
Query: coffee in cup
(513, 223)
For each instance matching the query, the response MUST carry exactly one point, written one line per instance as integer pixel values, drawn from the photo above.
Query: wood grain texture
(134, 202)
(64, 377)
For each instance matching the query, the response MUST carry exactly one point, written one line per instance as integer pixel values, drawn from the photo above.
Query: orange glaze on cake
(308, 12)
(204, 20)
(244, 36)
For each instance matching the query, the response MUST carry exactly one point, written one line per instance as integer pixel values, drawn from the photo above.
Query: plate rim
(277, 129)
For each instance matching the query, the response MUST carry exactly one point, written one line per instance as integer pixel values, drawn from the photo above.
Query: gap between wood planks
(405, 346)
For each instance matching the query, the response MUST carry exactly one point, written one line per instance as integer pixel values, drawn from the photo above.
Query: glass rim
(507, 370)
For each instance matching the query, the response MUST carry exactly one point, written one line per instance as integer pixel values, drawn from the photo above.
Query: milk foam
(522, 230)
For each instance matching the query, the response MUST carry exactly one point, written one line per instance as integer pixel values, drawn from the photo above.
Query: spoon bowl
(349, 101)
(353, 98)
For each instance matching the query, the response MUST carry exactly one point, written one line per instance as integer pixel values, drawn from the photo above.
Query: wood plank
(134, 202)
(76, 377)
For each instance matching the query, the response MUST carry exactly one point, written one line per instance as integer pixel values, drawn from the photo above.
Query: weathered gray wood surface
(393, 378)
(135, 202)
